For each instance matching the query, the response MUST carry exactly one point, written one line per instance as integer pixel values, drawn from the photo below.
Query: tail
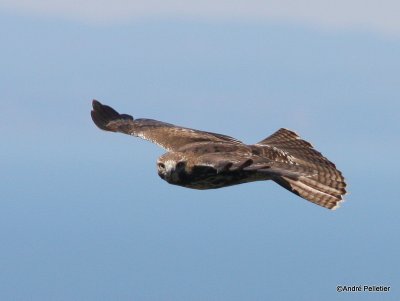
(325, 187)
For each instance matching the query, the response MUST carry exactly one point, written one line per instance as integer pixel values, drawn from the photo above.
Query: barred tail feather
(328, 196)
(325, 187)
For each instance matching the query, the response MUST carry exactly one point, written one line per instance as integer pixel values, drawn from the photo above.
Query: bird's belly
(217, 180)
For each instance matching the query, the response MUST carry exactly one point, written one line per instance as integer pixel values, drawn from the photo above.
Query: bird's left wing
(166, 135)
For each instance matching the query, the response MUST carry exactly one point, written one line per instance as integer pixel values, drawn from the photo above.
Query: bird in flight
(204, 160)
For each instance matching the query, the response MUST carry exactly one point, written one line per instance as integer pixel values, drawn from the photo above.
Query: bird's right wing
(166, 135)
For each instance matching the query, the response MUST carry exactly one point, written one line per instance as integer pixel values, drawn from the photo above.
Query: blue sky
(83, 214)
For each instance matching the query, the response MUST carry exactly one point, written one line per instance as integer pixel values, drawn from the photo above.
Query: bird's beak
(168, 173)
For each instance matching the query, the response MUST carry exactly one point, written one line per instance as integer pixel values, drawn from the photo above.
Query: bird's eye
(161, 166)
(180, 164)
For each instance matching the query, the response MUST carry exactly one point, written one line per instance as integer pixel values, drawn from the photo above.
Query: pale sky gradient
(378, 16)
(83, 213)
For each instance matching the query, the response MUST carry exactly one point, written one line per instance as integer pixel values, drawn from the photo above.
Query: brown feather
(166, 135)
(205, 160)
(325, 187)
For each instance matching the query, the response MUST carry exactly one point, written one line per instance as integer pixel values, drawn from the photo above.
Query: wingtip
(102, 115)
(96, 104)
(98, 118)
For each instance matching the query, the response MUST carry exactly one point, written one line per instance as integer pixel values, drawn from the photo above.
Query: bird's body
(204, 160)
(197, 168)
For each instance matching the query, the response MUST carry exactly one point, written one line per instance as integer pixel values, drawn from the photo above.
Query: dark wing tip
(102, 115)
(96, 103)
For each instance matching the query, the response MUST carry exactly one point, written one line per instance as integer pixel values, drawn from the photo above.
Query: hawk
(204, 160)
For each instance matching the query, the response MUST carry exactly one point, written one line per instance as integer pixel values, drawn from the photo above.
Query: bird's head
(171, 167)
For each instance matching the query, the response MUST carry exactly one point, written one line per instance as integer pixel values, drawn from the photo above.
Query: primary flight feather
(204, 160)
